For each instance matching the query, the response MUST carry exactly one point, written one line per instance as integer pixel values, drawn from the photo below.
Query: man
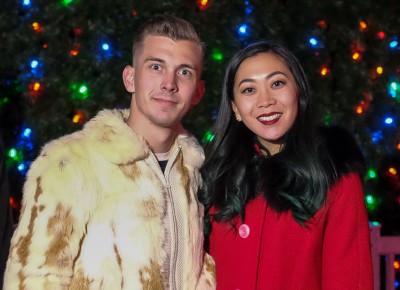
(114, 206)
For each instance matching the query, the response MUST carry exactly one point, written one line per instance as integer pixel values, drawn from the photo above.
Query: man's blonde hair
(168, 26)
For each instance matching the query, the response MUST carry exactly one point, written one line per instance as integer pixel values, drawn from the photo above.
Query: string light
(359, 110)
(363, 25)
(327, 119)
(34, 63)
(393, 89)
(376, 136)
(105, 51)
(313, 42)
(27, 132)
(79, 117)
(35, 69)
(388, 120)
(216, 54)
(13, 203)
(324, 71)
(105, 46)
(37, 27)
(36, 86)
(371, 202)
(249, 8)
(21, 167)
(203, 4)
(12, 153)
(379, 70)
(208, 137)
(74, 52)
(393, 43)
(381, 35)
(322, 23)
(79, 91)
(356, 56)
(78, 31)
(66, 2)
(243, 30)
(4, 101)
(375, 223)
(371, 174)
(392, 171)
(35, 89)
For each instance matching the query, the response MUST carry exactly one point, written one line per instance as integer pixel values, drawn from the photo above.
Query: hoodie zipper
(173, 221)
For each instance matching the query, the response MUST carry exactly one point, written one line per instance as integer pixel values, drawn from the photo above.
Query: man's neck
(160, 139)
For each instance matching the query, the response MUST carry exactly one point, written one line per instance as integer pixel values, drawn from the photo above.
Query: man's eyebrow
(156, 59)
(160, 60)
(186, 65)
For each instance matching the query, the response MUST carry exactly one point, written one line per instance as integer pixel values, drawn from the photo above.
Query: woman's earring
(238, 119)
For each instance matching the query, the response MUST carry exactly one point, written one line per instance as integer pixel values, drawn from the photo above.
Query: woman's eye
(277, 83)
(247, 90)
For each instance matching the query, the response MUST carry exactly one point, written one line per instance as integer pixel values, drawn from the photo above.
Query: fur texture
(95, 214)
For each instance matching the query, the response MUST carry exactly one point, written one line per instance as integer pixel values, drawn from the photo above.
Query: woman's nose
(266, 99)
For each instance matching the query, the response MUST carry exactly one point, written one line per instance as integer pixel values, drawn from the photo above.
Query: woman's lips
(269, 119)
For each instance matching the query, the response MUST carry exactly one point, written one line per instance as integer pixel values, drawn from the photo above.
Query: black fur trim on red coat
(344, 151)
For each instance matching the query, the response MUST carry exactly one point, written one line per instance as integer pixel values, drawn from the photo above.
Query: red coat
(273, 252)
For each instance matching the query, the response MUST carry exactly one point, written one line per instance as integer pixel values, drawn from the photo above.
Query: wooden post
(375, 233)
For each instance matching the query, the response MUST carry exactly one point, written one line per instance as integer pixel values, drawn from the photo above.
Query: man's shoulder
(192, 151)
(105, 135)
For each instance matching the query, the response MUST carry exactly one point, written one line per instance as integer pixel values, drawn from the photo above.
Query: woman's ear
(128, 76)
(236, 111)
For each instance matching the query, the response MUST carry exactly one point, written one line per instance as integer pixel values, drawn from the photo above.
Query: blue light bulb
(243, 29)
(34, 63)
(313, 41)
(105, 46)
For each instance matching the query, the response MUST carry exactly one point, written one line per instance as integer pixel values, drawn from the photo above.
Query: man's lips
(269, 119)
(165, 100)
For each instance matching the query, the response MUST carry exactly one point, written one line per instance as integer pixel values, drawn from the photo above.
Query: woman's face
(266, 98)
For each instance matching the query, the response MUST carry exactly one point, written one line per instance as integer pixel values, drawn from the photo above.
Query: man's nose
(169, 82)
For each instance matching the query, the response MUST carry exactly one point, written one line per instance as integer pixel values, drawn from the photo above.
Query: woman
(284, 210)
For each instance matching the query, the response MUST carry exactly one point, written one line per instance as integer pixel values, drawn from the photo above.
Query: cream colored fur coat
(94, 209)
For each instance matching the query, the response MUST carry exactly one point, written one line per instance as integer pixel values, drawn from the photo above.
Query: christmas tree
(61, 62)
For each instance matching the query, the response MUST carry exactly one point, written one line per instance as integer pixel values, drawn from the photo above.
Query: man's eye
(185, 72)
(155, 67)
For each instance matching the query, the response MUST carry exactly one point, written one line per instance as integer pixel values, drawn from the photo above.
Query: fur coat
(97, 214)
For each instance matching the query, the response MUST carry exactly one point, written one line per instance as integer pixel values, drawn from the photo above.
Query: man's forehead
(165, 49)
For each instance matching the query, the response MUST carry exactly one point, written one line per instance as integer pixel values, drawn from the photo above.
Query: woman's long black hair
(296, 179)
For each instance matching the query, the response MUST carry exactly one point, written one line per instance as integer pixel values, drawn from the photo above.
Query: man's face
(165, 81)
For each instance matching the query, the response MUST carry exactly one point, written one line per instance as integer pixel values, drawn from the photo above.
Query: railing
(387, 246)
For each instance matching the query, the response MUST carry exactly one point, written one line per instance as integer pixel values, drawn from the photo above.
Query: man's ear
(128, 76)
(201, 88)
